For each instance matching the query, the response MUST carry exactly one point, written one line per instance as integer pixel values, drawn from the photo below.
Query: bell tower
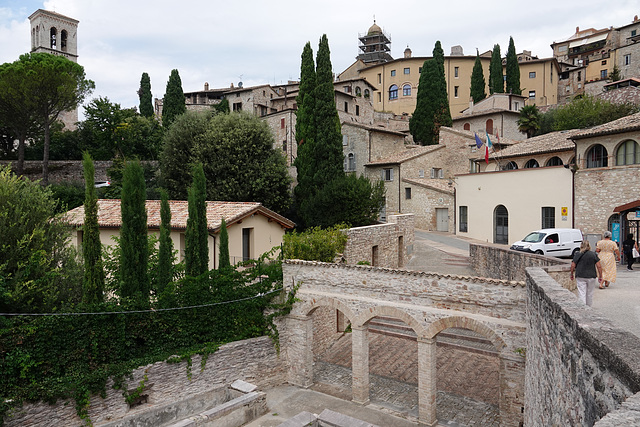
(54, 33)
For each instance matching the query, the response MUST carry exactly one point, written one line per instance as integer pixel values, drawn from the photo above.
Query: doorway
(501, 225)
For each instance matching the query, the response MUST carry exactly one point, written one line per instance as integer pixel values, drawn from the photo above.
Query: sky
(260, 42)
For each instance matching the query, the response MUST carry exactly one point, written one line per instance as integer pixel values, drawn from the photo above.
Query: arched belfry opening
(53, 34)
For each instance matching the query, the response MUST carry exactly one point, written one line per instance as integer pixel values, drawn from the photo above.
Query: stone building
(495, 115)
(363, 144)
(607, 175)
(56, 34)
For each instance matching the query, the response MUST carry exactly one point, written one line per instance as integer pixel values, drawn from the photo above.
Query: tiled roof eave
(606, 132)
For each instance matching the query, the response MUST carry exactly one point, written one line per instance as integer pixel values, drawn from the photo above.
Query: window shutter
(433, 173)
(391, 175)
(440, 173)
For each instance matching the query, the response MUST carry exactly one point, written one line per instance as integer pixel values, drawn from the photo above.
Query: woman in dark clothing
(627, 247)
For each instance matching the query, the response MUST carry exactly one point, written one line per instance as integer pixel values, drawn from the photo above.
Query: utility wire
(259, 295)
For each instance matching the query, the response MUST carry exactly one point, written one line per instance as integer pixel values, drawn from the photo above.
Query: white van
(551, 241)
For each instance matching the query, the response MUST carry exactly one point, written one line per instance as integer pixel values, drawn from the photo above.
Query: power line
(259, 295)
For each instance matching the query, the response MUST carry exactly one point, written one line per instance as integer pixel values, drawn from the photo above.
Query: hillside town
(424, 315)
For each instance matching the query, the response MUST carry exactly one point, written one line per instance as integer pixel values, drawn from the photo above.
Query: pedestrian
(587, 267)
(627, 248)
(609, 253)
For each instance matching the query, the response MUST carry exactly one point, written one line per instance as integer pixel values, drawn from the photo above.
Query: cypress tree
(133, 236)
(422, 124)
(144, 93)
(173, 104)
(93, 283)
(165, 248)
(478, 85)
(224, 261)
(442, 113)
(496, 79)
(196, 236)
(513, 70)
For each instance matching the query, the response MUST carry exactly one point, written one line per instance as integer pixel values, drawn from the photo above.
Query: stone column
(427, 381)
(512, 374)
(360, 364)
(300, 352)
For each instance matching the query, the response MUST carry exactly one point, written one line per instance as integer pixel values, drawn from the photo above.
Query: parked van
(551, 241)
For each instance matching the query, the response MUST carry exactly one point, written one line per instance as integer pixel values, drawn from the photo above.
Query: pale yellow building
(253, 229)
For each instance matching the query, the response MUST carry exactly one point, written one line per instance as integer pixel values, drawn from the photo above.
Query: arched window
(510, 166)
(554, 161)
(358, 91)
(489, 126)
(367, 94)
(533, 163)
(406, 90)
(393, 92)
(52, 37)
(467, 126)
(628, 153)
(63, 40)
(597, 157)
(500, 225)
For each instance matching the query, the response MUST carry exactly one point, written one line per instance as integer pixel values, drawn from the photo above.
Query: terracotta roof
(373, 128)
(410, 152)
(547, 143)
(625, 124)
(437, 184)
(109, 214)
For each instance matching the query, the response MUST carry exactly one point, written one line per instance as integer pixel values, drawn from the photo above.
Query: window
(345, 140)
(604, 62)
(53, 38)
(456, 90)
(406, 90)
(633, 33)
(358, 91)
(347, 89)
(350, 162)
(367, 93)
(456, 71)
(554, 161)
(532, 74)
(281, 123)
(532, 94)
(387, 174)
(346, 107)
(466, 126)
(579, 76)
(473, 167)
(548, 217)
(379, 97)
(393, 73)
(407, 193)
(379, 78)
(421, 173)
(419, 70)
(284, 145)
(237, 106)
(627, 59)
(488, 126)
(533, 163)
(407, 70)
(63, 40)
(393, 92)
(516, 106)
(603, 74)
(357, 110)
(628, 153)
(462, 219)
(510, 166)
(597, 157)
(437, 173)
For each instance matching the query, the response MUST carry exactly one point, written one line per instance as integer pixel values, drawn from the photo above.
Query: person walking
(627, 248)
(609, 253)
(587, 267)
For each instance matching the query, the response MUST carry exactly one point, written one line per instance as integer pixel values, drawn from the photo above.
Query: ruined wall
(61, 170)
(579, 366)
(254, 360)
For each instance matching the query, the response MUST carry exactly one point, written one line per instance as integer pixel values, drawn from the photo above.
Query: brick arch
(467, 323)
(386, 310)
(308, 307)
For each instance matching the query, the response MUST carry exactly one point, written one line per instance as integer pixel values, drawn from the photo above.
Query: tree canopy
(496, 78)
(478, 84)
(236, 150)
(529, 120)
(512, 70)
(173, 103)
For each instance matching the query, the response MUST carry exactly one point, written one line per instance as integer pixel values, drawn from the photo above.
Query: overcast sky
(257, 42)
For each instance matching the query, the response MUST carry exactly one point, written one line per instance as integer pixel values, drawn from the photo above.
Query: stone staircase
(463, 339)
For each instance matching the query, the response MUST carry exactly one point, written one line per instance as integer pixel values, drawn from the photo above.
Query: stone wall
(393, 242)
(506, 264)
(254, 360)
(579, 366)
(61, 170)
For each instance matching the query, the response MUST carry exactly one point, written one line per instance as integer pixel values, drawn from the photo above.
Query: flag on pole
(486, 154)
(489, 144)
(498, 137)
(478, 140)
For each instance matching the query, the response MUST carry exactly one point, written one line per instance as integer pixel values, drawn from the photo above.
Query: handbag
(635, 253)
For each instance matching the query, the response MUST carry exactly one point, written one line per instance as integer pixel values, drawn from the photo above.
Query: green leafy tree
(222, 107)
(93, 284)
(53, 85)
(196, 254)
(165, 247)
(38, 271)
(512, 69)
(529, 120)
(496, 78)
(422, 124)
(615, 74)
(583, 112)
(133, 237)
(478, 84)
(144, 93)
(247, 167)
(315, 244)
(173, 103)
(224, 261)
(99, 130)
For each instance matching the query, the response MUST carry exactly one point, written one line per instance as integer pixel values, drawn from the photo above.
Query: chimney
(206, 86)
(231, 86)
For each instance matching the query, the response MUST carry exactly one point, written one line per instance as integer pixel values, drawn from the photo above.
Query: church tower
(54, 33)
(374, 46)
(57, 35)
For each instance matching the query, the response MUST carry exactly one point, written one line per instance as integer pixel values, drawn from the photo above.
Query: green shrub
(315, 244)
